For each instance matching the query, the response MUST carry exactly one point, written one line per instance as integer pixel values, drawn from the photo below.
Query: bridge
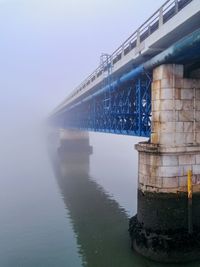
(150, 87)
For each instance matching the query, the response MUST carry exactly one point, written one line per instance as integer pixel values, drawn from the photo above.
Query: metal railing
(167, 11)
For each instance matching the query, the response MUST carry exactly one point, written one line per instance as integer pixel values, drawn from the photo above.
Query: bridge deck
(174, 20)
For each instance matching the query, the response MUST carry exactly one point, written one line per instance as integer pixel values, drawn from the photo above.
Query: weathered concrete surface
(160, 229)
(175, 137)
(162, 170)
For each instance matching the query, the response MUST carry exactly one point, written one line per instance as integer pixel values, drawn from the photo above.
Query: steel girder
(124, 110)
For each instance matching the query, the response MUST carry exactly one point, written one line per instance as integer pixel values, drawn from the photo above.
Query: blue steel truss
(125, 110)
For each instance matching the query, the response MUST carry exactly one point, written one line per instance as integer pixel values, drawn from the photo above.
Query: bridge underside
(124, 110)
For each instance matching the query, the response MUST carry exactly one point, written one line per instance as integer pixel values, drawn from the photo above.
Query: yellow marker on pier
(189, 184)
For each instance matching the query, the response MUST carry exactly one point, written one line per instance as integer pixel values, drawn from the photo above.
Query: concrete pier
(74, 142)
(160, 229)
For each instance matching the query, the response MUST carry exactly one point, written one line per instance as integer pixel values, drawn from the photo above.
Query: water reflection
(99, 222)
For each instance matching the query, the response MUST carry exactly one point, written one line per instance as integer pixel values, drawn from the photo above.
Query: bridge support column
(74, 141)
(160, 228)
(74, 150)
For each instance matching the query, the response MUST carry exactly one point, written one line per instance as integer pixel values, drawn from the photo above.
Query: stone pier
(160, 228)
(74, 140)
(75, 148)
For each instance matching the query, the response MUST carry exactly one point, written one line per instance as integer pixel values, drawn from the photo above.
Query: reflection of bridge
(150, 86)
(99, 223)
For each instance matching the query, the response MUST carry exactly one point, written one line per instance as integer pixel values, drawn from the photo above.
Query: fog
(47, 47)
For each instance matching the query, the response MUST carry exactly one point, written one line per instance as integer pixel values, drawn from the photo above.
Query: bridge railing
(168, 10)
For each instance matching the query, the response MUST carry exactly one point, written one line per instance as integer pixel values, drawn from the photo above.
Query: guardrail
(167, 11)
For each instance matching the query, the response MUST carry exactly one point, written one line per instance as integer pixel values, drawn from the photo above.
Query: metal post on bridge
(161, 17)
(176, 6)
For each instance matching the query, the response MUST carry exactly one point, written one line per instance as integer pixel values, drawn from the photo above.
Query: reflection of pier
(98, 221)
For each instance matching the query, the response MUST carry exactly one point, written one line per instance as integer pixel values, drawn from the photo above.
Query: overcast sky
(47, 47)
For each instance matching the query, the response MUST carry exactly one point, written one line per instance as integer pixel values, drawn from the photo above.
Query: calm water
(67, 211)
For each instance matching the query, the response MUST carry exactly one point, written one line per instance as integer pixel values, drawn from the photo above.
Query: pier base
(74, 140)
(160, 230)
(165, 246)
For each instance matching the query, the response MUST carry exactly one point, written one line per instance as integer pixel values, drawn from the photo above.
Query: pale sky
(47, 47)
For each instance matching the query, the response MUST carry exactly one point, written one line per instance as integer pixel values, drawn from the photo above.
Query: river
(63, 211)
